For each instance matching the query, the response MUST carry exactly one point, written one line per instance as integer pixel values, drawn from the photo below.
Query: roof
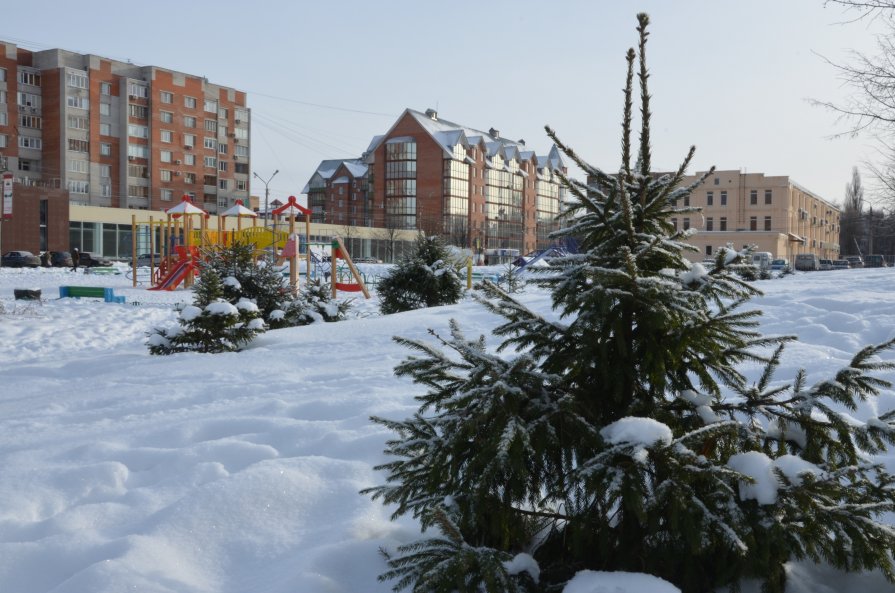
(326, 169)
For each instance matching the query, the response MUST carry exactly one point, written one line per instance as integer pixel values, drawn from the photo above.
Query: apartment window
(240, 150)
(140, 151)
(105, 88)
(165, 175)
(210, 180)
(189, 178)
(32, 78)
(4, 142)
(105, 129)
(2, 74)
(78, 187)
(30, 121)
(241, 133)
(709, 224)
(686, 223)
(105, 190)
(223, 113)
(78, 145)
(222, 148)
(722, 223)
(77, 102)
(105, 149)
(137, 90)
(241, 184)
(709, 198)
(28, 99)
(241, 168)
(3, 97)
(77, 80)
(166, 195)
(167, 136)
(165, 156)
(222, 165)
(768, 194)
(166, 97)
(139, 111)
(242, 115)
(189, 159)
(166, 117)
(189, 140)
(674, 222)
(29, 142)
(717, 181)
(26, 165)
(724, 198)
(767, 223)
(137, 131)
(77, 166)
(211, 143)
(211, 106)
(189, 121)
(211, 125)
(211, 161)
(105, 171)
(223, 184)
(687, 200)
(105, 109)
(753, 223)
(189, 102)
(753, 197)
(138, 171)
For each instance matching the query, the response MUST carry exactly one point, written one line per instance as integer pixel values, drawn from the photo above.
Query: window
(223, 184)
(724, 198)
(686, 223)
(165, 175)
(241, 168)
(709, 198)
(722, 223)
(105, 109)
(767, 223)
(687, 201)
(105, 171)
(166, 117)
(30, 121)
(189, 159)
(242, 115)
(77, 80)
(222, 148)
(105, 190)
(166, 195)
(189, 178)
(223, 113)
(241, 184)
(29, 142)
(2, 74)
(26, 165)
(211, 125)
(240, 150)
(77, 166)
(211, 106)
(166, 97)
(211, 143)
(222, 165)
(167, 136)
(137, 131)
(709, 224)
(137, 171)
(32, 78)
(78, 187)
(165, 156)
(77, 102)
(140, 151)
(189, 140)
(105, 88)
(105, 129)
(241, 133)
(768, 194)
(753, 197)
(753, 223)
(210, 180)
(189, 121)
(189, 102)
(105, 149)
(674, 222)
(211, 161)
(137, 90)
(3, 97)
(708, 249)
(717, 181)
(140, 111)
(27, 99)
(78, 145)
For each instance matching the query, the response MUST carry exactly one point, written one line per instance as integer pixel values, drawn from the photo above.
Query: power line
(321, 106)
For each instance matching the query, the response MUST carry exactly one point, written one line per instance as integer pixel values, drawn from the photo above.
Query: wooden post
(332, 259)
(293, 259)
(468, 273)
(134, 247)
(347, 257)
(308, 245)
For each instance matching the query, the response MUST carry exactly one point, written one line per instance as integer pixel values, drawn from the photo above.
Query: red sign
(7, 195)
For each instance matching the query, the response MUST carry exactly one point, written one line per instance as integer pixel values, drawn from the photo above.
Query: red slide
(173, 279)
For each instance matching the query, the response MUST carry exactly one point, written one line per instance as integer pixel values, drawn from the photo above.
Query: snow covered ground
(235, 473)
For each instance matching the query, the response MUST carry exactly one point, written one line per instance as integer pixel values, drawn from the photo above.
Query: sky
(733, 78)
(241, 472)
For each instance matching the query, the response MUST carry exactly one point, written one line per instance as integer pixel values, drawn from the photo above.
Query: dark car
(19, 259)
(60, 259)
(88, 259)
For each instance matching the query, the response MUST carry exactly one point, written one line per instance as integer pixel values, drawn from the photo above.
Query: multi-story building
(119, 135)
(478, 189)
(773, 213)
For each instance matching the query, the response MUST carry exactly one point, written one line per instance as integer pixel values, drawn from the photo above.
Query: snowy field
(239, 473)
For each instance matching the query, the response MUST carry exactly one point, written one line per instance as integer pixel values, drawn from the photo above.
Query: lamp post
(267, 201)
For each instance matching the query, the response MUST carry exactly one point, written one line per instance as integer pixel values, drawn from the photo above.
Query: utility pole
(267, 204)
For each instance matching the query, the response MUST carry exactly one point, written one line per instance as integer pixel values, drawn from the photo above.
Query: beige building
(774, 214)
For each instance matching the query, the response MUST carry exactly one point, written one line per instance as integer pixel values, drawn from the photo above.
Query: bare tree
(852, 238)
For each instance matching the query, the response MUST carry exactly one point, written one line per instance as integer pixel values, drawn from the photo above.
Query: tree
(426, 277)
(851, 230)
(313, 303)
(245, 278)
(621, 433)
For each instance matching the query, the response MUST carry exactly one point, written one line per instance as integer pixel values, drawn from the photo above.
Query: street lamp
(267, 200)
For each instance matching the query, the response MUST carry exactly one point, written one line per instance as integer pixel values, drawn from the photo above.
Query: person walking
(75, 256)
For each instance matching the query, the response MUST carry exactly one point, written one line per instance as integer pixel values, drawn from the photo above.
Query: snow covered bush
(426, 277)
(211, 324)
(622, 433)
(313, 303)
(246, 278)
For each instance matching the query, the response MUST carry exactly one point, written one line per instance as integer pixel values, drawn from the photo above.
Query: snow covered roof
(326, 169)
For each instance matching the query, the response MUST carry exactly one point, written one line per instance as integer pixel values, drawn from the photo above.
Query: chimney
(432, 114)
(494, 133)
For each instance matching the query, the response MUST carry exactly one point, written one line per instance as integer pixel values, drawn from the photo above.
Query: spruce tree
(621, 433)
(426, 277)
(314, 303)
(244, 277)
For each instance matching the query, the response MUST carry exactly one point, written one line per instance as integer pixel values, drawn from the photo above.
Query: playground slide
(173, 279)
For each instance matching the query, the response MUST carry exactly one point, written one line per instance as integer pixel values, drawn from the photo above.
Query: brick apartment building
(774, 213)
(478, 189)
(117, 135)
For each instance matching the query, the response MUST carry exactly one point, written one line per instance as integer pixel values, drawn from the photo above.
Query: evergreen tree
(426, 277)
(623, 434)
(211, 324)
(244, 278)
(314, 303)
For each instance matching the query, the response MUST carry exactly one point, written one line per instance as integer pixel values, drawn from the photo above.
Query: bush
(427, 277)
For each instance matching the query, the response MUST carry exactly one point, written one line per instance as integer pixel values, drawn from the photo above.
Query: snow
(644, 432)
(759, 467)
(523, 563)
(240, 472)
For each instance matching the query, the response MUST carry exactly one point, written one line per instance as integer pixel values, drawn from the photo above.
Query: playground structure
(180, 240)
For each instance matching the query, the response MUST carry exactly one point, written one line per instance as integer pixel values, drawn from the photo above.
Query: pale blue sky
(732, 77)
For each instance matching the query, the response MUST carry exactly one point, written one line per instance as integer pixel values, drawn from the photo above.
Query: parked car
(806, 262)
(780, 265)
(826, 264)
(762, 259)
(19, 259)
(60, 259)
(855, 261)
(875, 261)
(841, 264)
(92, 260)
(145, 259)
